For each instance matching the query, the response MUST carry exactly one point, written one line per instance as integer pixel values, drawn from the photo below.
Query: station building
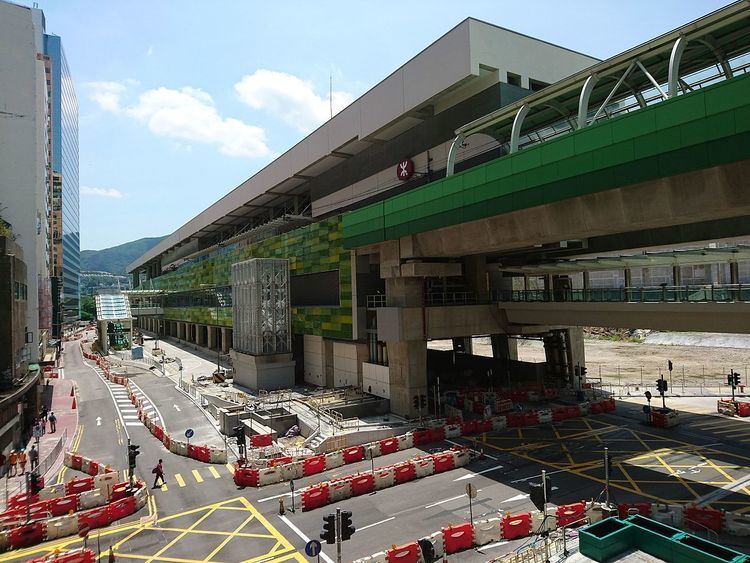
(392, 139)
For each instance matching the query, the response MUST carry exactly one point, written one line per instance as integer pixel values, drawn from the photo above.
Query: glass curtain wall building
(65, 164)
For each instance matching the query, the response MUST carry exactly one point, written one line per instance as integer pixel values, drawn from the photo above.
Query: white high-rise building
(24, 157)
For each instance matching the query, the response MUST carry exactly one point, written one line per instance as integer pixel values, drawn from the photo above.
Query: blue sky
(180, 101)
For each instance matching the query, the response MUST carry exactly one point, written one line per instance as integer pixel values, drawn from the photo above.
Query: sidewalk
(56, 395)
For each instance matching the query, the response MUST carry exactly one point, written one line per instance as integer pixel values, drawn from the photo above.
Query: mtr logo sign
(405, 169)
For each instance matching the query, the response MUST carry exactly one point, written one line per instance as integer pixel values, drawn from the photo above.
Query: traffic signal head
(35, 484)
(661, 386)
(423, 401)
(415, 401)
(329, 529)
(132, 454)
(537, 493)
(584, 369)
(347, 528)
(239, 434)
(735, 379)
(669, 365)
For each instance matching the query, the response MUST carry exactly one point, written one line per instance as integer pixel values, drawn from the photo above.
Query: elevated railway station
(423, 210)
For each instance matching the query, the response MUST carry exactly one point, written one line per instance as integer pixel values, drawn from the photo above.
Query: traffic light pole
(663, 400)
(606, 476)
(338, 535)
(544, 518)
(731, 377)
(28, 497)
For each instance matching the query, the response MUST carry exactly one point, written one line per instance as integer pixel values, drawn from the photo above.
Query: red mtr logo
(405, 169)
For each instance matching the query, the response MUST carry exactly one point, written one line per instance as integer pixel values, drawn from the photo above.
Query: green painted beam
(705, 128)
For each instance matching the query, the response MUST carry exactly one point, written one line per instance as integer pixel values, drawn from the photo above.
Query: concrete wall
(23, 149)
(345, 365)
(314, 356)
(376, 380)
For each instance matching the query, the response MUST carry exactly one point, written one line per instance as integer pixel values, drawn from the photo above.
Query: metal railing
(378, 300)
(44, 466)
(726, 293)
(450, 298)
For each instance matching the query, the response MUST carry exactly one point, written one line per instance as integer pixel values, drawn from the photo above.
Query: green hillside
(116, 259)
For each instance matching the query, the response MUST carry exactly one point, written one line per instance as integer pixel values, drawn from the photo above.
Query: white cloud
(101, 192)
(187, 114)
(292, 99)
(106, 94)
(150, 50)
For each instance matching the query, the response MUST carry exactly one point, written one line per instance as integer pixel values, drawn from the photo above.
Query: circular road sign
(84, 530)
(189, 433)
(312, 548)
(471, 490)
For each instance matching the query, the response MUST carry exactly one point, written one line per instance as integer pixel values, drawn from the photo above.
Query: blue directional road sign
(312, 548)
(189, 433)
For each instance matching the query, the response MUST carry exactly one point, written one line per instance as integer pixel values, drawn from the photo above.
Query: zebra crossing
(127, 410)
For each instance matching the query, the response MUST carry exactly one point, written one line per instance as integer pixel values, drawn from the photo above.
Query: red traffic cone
(74, 404)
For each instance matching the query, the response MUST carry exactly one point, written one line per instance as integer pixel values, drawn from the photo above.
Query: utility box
(261, 346)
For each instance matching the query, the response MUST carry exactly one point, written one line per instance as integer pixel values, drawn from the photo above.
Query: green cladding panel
(705, 128)
(315, 248)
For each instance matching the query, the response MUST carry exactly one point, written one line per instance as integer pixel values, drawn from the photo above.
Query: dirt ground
(627, 362)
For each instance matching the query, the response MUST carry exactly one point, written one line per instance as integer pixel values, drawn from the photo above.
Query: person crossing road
(159, 472)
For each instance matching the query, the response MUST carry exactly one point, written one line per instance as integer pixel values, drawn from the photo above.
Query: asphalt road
(202, 516)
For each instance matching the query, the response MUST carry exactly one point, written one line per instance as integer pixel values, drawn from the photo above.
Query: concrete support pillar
(676, 275)
(210, 337)
(475, 275)
(628, 277)
(199, 340)
(734, 273)
(586, 281)
(404, 292)
(504, 347)
(225, 343)
(575, 351)
(407, 370)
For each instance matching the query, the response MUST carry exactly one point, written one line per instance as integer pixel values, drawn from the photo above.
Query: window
(536, 85)
(315, 290)
(514, 79)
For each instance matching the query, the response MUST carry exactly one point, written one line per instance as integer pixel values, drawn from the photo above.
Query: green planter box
(606, 539)
(692, 549)
(654, 537)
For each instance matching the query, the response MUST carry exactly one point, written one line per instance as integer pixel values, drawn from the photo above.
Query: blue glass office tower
(64, 119)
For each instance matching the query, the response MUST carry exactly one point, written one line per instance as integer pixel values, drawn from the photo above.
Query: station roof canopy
(464, 61)
(668, 258)
(112, 307)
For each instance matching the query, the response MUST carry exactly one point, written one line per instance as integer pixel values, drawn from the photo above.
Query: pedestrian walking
(43, 414)
(13, 461)
(159, 472)
(34, 458)
(22, 461)
(52, 423)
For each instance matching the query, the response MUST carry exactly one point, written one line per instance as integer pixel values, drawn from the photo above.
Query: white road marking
(488, 456)
(515, 498)
(296, 494)
(303, 537)
(376, 523)
(491, 546)
(177, 408)
(98, 420)
(470, 475)
(133, 424)
(447, 500)
(130, 417)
